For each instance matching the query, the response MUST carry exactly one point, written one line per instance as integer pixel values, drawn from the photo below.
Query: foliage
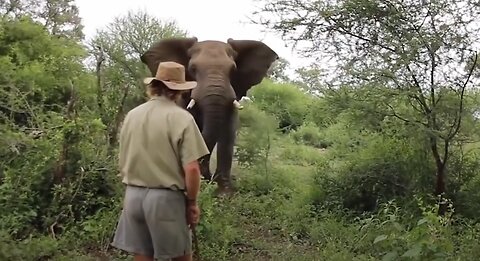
(310, 78)
(38, 70)
(278, 70)
(465, 184)
(421, 52)
(255, 134)
(328, 172)
(285, 101)
(59, 17)
(309, 134)
(114, 55)
(378, 170)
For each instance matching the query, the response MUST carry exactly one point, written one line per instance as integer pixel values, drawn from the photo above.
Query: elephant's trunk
(214, 111)
(214, 100)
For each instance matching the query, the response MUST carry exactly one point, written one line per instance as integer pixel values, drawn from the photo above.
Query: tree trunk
(113, 134)
(61, 165)
(440, 186)
(440, 190)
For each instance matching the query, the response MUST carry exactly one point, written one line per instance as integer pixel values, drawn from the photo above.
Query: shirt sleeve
(192, 145)
(121, 146)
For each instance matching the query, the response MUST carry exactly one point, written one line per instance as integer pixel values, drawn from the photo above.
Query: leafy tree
(277, 71)
(310, 78)
(422, 53)
(43, 114)
(37, 70)
(115, 52)
(60, 17)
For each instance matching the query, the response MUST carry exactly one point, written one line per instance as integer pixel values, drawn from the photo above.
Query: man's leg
(165, 213)
(132, 234)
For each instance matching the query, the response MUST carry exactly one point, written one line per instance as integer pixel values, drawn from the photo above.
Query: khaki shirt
(157, 139)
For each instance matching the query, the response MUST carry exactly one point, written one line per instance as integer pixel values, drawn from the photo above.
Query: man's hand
(193, 214)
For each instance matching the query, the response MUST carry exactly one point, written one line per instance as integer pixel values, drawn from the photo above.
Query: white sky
(195, 16)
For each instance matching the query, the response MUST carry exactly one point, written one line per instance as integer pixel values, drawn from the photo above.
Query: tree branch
(100, 60)
(394, 114)
(344, 31)
(421, 98)
(458, 120)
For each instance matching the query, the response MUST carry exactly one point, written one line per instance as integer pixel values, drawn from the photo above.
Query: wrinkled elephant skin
(224, 71)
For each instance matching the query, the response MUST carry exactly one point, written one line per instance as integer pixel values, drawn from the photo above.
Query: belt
(165, 188)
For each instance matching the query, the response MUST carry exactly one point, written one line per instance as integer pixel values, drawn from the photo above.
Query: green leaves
(413, 252)
(58, 17)
(405, 60)
(380, 238)
(254, 136)
(390, 256)
(44, 66)
(285, 101)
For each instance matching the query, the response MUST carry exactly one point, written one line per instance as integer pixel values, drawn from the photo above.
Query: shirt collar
(159, 98)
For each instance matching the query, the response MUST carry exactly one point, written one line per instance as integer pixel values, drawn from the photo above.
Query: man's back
(150, 140)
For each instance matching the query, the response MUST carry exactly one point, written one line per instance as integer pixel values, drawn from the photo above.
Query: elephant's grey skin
(224, 72)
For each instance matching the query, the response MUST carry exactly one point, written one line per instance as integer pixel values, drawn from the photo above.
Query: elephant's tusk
(191, 104)
(237, 105)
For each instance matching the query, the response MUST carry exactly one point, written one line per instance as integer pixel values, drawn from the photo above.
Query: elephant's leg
(225, 157)
(205, 161)
(224, 162)
(205, 167)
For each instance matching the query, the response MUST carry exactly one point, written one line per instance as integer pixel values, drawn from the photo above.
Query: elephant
(224, 72)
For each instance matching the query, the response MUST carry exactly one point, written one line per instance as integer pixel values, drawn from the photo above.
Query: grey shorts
(153, 223)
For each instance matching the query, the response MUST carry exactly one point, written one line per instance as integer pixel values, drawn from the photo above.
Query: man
(160, 145)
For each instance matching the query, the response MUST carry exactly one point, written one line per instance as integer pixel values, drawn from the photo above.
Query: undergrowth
(277, 214)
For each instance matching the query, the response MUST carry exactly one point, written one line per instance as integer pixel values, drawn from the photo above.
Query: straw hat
(172, 74)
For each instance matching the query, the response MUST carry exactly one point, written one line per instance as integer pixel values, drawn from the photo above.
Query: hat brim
(188, 85)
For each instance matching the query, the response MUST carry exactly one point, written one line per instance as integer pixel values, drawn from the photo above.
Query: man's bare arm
(192, 180)
(192, 148)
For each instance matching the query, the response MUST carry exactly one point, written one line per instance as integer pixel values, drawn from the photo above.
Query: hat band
(174, 81)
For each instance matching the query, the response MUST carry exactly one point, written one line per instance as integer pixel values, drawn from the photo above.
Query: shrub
(464, 184)
(31, 200)
(378, 171)
(287, 103)
(309, 134)
(216, 231)
(321, 112)
(255, 136)
(302, 155)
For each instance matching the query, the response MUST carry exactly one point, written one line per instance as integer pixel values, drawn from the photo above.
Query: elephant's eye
(233, 69)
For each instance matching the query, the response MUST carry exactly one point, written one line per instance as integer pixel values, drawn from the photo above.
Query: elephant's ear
(168, 49)
(253, 59)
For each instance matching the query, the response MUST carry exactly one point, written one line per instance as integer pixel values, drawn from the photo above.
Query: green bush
(343, 136)
(40, 248)
(255, 136)
(321, 112)
(302, 155)
(381, 170)
(309, 134)
(31, 199)
(287, 103)
(216, 231)
(464, 184)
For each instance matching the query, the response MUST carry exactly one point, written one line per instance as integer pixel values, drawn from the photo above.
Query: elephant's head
(224, 73)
